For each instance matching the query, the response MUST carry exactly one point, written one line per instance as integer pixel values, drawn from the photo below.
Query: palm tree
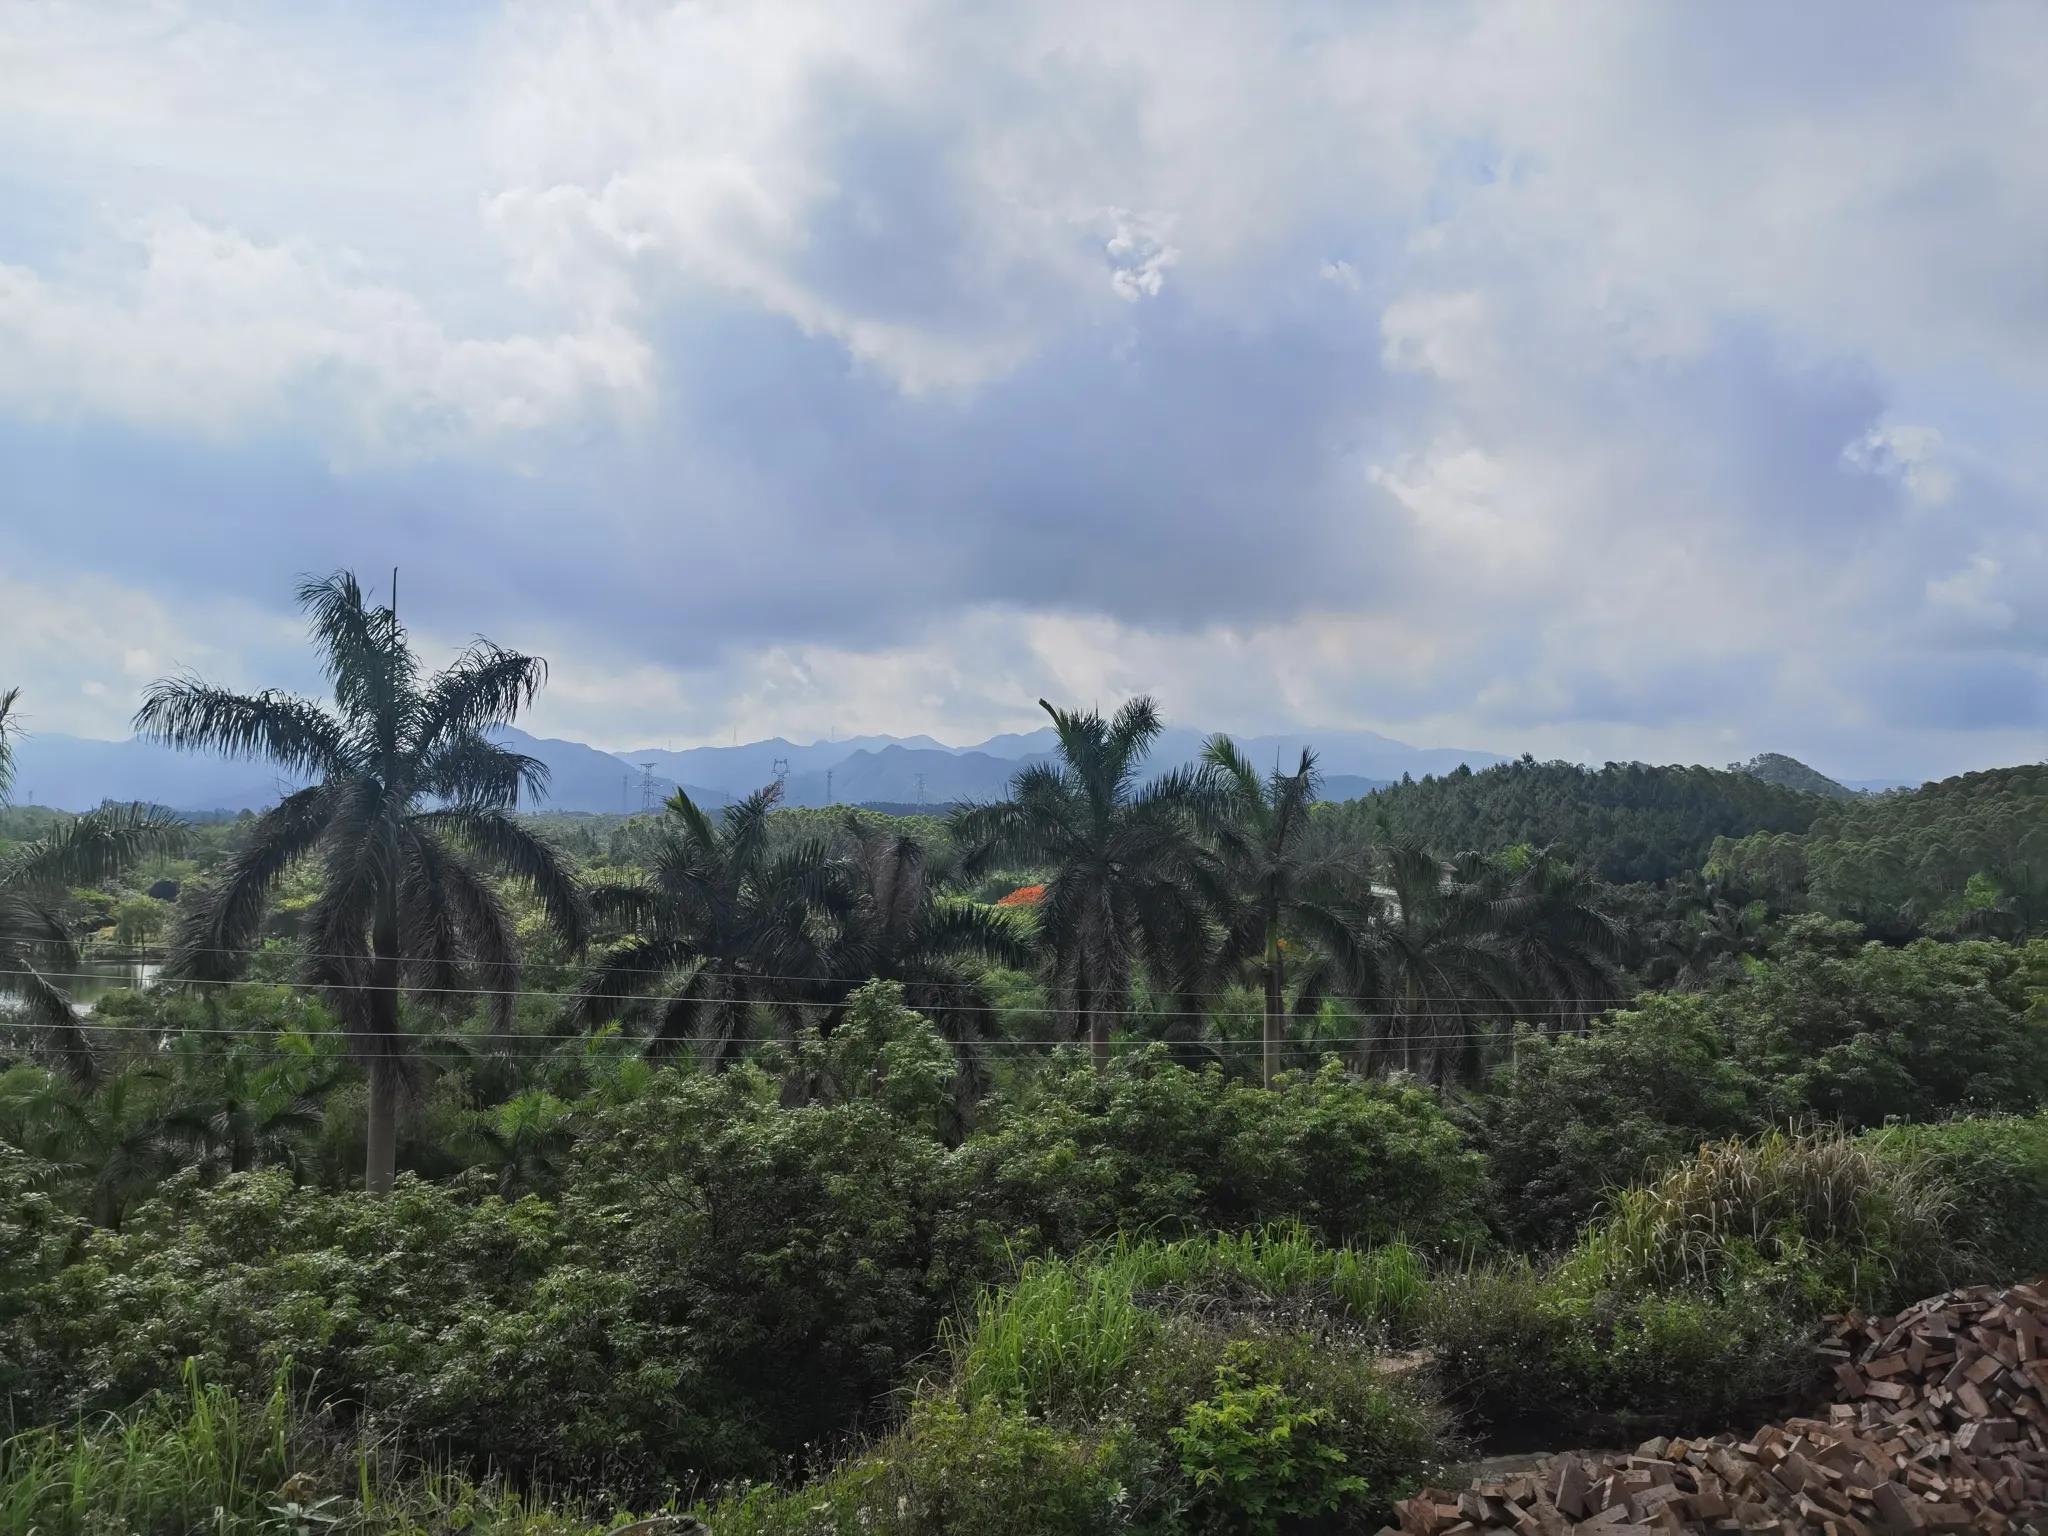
(1278, 886)
(522, 1140)
(37, 948)
(1132, 882)
(240, 1107)
(107, 1141)
(902, 928)
(1551, 920)
(721, 924)
(1426, 966)
(411, 804)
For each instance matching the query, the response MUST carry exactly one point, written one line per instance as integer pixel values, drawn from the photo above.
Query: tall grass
(1064, 1331)
(209, 1462)
(1821, 1202)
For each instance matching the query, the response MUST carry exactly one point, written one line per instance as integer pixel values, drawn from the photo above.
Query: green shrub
(1257, 1456)
(1214, 1343)
(1881, 1034)
(1995, 1170)
(1150, 1146)
(1518, 1347)
(1573, 1117)
(949, 1470)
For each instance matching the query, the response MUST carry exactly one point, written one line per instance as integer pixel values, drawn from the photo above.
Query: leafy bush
(1881, 1034)
(1517, 1346)
(1153, 1146)
(1573, 1117)
(1256, 1456)
(719, 1282)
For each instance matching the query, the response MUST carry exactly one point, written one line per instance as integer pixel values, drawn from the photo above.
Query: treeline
(1965, 855)
(1626, 821)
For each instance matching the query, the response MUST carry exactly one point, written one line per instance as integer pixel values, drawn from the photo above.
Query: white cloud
(212, 332)
(1908, 454)
(63, 636)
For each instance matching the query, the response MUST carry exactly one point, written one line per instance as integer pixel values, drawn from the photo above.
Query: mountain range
(77, 772)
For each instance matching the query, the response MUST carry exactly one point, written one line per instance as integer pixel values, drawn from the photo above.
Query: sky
(1606, 381)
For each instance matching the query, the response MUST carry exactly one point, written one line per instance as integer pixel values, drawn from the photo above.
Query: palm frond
(469, 769)
(486, 685)
(54, 1028)
(296, 734)
(97, 846)
(9, 729)
(224, 921)
(504, 843)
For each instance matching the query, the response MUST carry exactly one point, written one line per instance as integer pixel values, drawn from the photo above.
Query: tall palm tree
(38, 951)
(720, 924)
(1427, 968)
(410, 805)
(1552, 922)
(1278, 885)
(1132, 882)
(902, 927)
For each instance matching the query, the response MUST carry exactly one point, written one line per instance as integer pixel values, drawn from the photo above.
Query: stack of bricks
(1940, 1424)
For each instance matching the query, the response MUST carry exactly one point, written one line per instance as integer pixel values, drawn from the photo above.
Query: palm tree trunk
(1269, 1055)
(380, 1152)
(1095, 1024)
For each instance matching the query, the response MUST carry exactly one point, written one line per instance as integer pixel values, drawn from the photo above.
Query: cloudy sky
(1598, 380)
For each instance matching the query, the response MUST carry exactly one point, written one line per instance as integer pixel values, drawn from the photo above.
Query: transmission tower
(828, 788)
(920, 789)
(647, 786)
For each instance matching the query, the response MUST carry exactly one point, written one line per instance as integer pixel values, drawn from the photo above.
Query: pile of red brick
(1940, 1424)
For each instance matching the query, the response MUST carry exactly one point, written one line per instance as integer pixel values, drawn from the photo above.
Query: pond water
(99, 977)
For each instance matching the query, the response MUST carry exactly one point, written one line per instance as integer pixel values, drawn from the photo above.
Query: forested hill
(1629, 821)
(1790, 773)
(1968, 852)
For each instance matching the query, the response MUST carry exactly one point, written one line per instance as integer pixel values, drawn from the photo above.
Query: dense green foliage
(1968, 854)
(1828, 1030)
(1272, 1156)
(1629, 821)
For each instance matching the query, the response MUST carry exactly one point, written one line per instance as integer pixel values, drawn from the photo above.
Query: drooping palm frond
(9, 729)
(513, 849)
(487, 685)
(471, 770)
(95, 847)
(45, 1012)
(214, 934)
(296, 734)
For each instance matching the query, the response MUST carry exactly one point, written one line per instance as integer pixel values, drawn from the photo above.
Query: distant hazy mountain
(76, 773)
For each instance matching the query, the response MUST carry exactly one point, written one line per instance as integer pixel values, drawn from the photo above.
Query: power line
(491, 1045)
(164, 957)
(627, 999)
